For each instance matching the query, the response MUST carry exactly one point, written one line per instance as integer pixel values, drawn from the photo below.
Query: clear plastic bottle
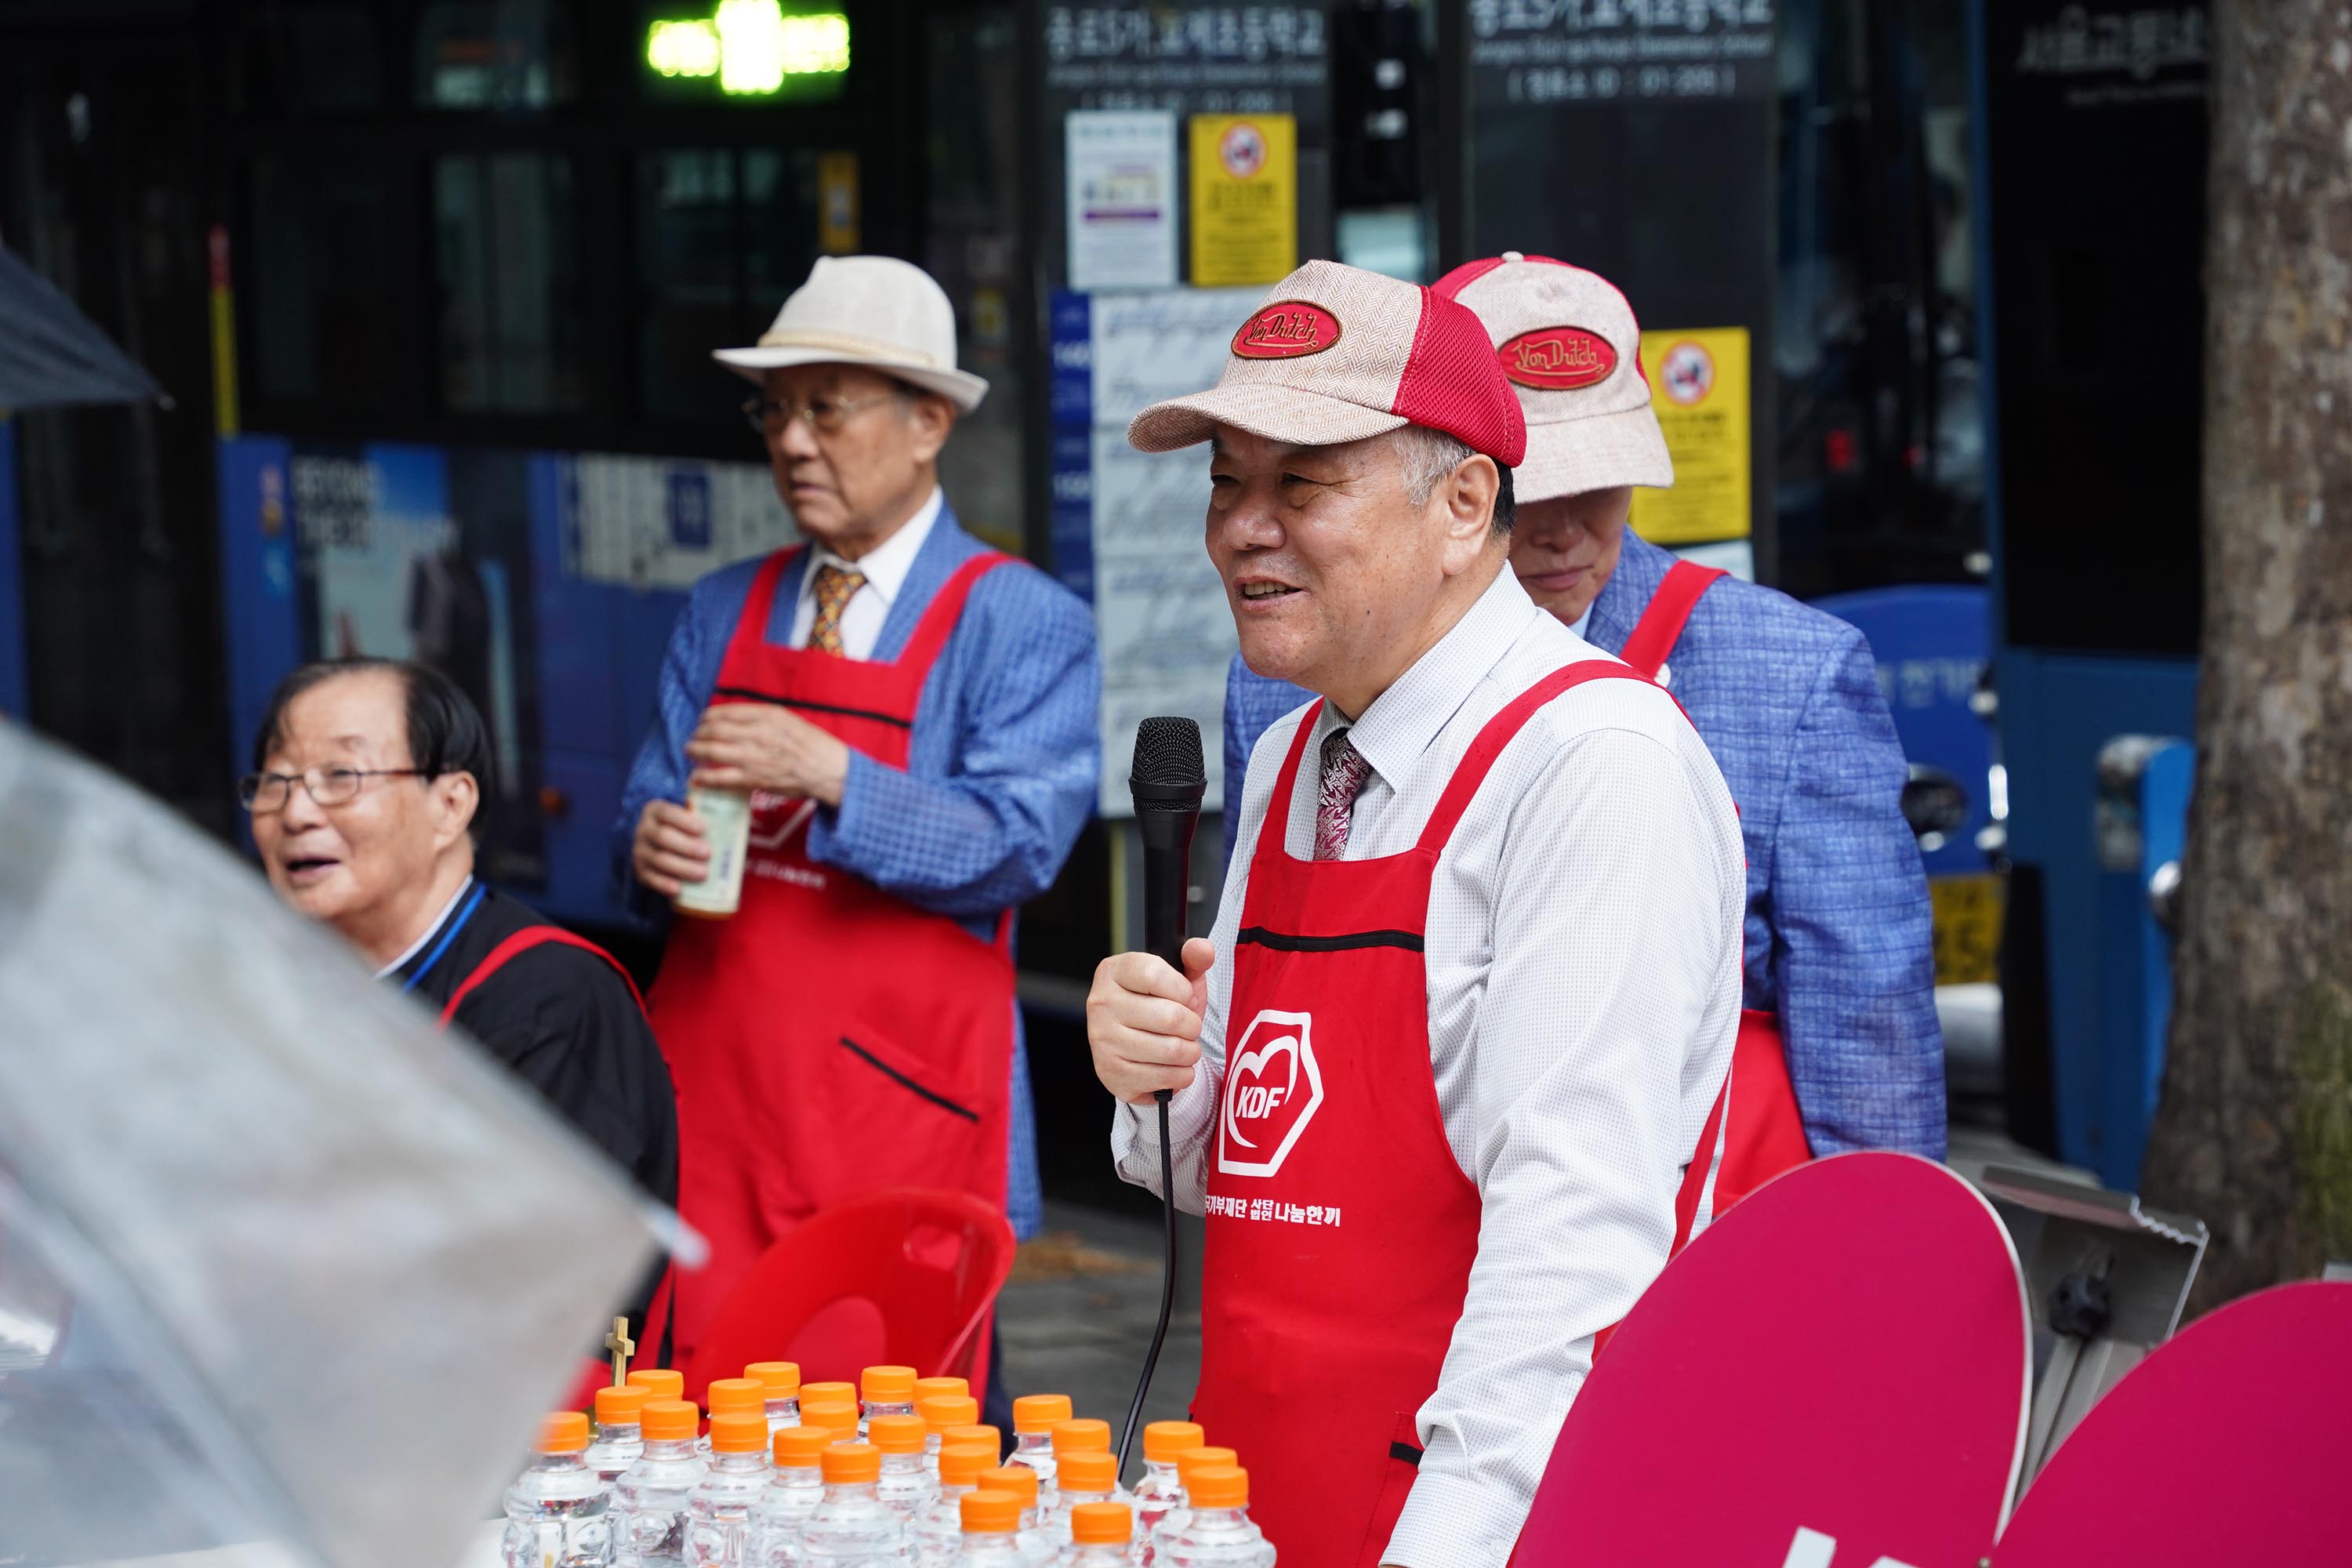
(840, 1414)
(783, 1381)
(619, 1440)
(1188, 1463)
(940, 1388)
(1087, 1476)
(732, 1396)
(884, 1391)
(942, 1414)
(905, 1486)
(1217, 1532)
(933, 1539)
(990, 1536)
(977, 1432)
(1036, 1546)
(826, 1393)
(1067, 1437)
(851, 1527)
(1102, 1535)
(795, 1486)
(651, 1495)
(1159, 1490)
(557, 1512)
(718, 1510)
(660, 1381)
(1034, 1415)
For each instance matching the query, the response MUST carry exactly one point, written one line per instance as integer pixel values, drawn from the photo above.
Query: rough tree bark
(2254, 1134)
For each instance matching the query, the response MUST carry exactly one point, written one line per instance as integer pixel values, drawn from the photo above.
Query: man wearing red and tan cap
(1442, 1069)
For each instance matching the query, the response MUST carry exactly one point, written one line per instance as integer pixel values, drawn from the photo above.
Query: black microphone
(1168, 781)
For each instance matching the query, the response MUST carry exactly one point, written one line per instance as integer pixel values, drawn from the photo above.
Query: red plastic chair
(903, 1277)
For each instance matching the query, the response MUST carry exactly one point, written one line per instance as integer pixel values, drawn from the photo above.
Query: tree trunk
(2254, 1135)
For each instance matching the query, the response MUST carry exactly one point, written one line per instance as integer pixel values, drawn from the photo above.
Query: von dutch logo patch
(1558, 359)
(1287, 331)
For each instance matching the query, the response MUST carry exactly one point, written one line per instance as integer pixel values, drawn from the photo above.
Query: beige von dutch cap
(1567, 341)
(872, 311)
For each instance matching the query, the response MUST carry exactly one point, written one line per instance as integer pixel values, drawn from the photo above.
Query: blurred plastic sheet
(280, 1262)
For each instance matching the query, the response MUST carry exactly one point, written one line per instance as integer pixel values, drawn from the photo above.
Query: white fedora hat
(872, 311)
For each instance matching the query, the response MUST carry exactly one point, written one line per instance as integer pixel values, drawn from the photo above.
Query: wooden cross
(622, 1348)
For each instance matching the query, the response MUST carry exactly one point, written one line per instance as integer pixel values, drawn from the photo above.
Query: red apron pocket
(1400, 1465)
(891, 1119)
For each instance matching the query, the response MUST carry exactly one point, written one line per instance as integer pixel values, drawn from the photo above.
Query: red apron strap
(752, 625)
(1275, 828)
(1669, 610)
(1471, 772)
(945, 609)
(522, 941)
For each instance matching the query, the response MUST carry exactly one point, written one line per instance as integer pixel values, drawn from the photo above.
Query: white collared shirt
(1584, 956)
(885, 569)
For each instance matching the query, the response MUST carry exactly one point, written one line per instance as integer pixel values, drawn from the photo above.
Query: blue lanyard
(447, 937)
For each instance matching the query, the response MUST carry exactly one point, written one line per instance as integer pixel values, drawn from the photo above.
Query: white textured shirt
(885, 569)
(1582, 953)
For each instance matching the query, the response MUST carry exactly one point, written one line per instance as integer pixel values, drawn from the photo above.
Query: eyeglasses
(825, 414)
(266, 793)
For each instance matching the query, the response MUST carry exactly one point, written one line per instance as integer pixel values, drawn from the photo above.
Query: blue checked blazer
(1838, 940)
(1000, 769)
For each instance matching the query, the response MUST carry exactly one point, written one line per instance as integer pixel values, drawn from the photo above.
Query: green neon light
(750, 45)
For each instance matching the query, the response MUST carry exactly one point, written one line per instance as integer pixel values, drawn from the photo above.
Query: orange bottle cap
(829, 1391)
(782, 1378)
(670, 1421)
(944, 1411)
(564, 1432)
(1018, 1479)
(1077, 1437)
(961, 1464)
(726, 1393)
(1163, 1440)
(1038, 1412)
(851, 1462)
(620, 1406)
(940, 1388)
(1193, 1460)
(801, 1447)
(838, 1413)
(739, 1432)
(887, 1384)
(666, 1383)
(1088, 1471)
(1218, 1486)
(990, 1513)
(974, 1432)
(1102, 1524)
(899, 1434)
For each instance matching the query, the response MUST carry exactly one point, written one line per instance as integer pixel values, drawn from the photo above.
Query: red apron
(1765, 1134)
(1341, 1228)
(828, 1039)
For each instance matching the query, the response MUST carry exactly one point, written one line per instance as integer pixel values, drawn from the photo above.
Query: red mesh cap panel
(1452, 382)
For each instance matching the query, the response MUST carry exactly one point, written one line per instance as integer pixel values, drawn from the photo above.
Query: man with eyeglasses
(913, 715)
(366, 800)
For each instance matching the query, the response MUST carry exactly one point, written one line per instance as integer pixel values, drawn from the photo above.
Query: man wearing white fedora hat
(1840, 962)
(913, 714)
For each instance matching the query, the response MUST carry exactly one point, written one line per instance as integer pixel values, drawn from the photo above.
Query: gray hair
(1429, 456)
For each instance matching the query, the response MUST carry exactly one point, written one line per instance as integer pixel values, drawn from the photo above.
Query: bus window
(505, 250)
(320, 261)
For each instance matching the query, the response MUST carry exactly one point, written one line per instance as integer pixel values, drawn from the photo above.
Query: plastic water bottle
(783, 1381)
(942, 1414)
(660, 1381)
(977, 1432)
(1102, 1535)
(937, 1533)
(1034, 1415)
(732, 1396)
(828, 1394)
(795, 1486)
(651, 1495)
(940, 1388)
(619, 1440)
(884, 1391)
(905, 1486)
(1087, 1476)
(718, 1510)
(1035, 1545)
(839, 1414)
(1217, 1532)
(1159, 1490)
(991, 1526)
(851, 1527)
(557, 1515)
(1079, 1437)
(1188, 1463)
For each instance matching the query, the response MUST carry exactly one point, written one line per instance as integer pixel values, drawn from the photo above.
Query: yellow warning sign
(837, 214)
(1698, 385)
(1244, 198)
